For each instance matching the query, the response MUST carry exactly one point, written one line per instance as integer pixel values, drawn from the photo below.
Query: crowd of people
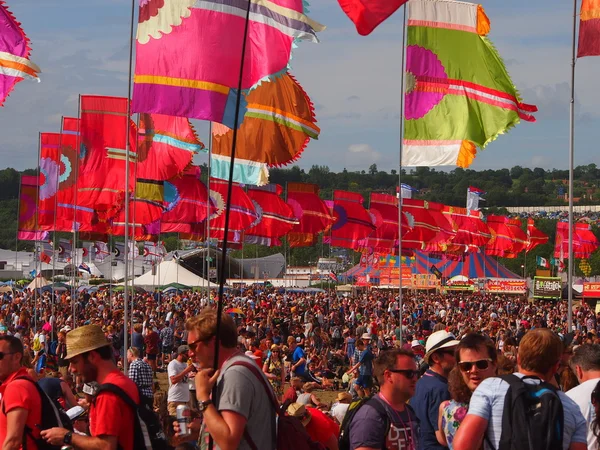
(435, 375)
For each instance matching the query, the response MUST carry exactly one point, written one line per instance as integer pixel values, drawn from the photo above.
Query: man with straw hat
(111, 420)
(320, 427)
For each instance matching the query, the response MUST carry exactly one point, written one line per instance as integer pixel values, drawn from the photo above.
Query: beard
(89, 372)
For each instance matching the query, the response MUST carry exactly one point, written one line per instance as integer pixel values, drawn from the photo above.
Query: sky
(82, 47)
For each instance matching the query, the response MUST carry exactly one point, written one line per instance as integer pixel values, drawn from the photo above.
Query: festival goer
(539, 356)
(111, 419)
(177, 372)
(140, 373)
(432, 387)
(396, 373)
(274, 370)
(320, 428)
(586, 365)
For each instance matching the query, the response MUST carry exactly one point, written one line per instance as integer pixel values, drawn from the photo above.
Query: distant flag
(534, 236)
(474, 197)
(65, 250)
(14, 54)
(459, 95)
(83, 267)
(406, 191)
(543, 262)
(119, 251)
(102, 251)
(333, 276)
(28, 204)
(589, 29)
(46, 252)
(368, 14)
(33, 273)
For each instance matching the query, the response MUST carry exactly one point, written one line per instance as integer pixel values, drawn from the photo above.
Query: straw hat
(299, 411)
(85, 339)
(344, 397)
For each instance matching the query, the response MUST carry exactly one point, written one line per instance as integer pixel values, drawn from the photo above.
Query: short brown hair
(540, 350)
(387, 360)
(205, 326)
(476, 341)
(135, 352)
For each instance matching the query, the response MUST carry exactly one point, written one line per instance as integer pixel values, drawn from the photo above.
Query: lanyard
(407, 437)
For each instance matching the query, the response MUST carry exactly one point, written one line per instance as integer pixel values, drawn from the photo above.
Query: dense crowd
(425, 378)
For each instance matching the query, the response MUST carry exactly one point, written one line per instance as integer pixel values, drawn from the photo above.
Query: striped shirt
(140, 373)
(487, 402)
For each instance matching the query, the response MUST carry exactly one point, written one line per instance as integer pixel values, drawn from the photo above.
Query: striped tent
(475, 265)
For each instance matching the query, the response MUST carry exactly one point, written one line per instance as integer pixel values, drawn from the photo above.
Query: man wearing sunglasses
(386, 421)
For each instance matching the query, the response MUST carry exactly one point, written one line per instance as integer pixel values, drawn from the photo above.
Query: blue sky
(354, 81)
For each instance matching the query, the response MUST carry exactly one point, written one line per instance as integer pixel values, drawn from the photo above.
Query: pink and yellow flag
(189, 52)
(589, 29)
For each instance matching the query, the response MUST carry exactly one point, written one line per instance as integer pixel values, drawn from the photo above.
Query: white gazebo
(168, 272)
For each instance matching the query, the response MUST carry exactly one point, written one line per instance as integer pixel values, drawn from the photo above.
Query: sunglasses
(408, 373)
(482, 364)
(2, 354)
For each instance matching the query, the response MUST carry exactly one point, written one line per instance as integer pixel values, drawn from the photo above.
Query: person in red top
(111, 419)
(20, 406)
(151, 341)
(291, 394)
(319, 427)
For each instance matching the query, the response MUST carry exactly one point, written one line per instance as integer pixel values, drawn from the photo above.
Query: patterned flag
(188, 53)
(119, 251)
(102, 251)
(368, 14)
(49, 168)
(459, 95)
(542, 262)
(83, 267)
(28, 201)
(65, 250)
(14, 54)
(474, 197)
(589, 29)
(153, 252)
(45, 252)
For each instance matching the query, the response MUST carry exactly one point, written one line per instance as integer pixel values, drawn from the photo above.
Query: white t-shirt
(179, 392)
(582, 395)
(339, 410)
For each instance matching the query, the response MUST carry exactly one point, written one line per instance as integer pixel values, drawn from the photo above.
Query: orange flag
(589, 29)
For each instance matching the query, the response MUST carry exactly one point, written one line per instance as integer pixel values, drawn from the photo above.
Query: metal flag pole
(401, 124)
(126, 291)
(228, 205)
(36, 231)
(571, 158)
(207, 256)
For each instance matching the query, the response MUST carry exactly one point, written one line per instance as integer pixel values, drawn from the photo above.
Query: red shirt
(22, 394)
(320, 428)
(111, 416)
(151, 341)
(290, 395)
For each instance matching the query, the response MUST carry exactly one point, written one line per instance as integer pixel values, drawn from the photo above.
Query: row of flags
(153, 252)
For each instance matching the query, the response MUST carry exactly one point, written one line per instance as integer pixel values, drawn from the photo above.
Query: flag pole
(571, 158)
(126, 291)
(228, 205)
(207, 257)
(401, 125)
(37, 224)
(77, 145)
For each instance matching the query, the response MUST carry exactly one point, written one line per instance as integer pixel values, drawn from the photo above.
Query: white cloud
(360, 148)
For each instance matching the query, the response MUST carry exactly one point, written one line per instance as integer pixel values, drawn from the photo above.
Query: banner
(547, 287)
(591, 290)
(391, 276)
(505, 286)
(425, 281)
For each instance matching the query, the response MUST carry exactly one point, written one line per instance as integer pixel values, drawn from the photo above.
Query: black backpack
(147, 430)
(533, 417)
(52, 415)
(344, 439)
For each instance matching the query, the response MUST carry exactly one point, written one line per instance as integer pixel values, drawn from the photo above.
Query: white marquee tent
(168, 272)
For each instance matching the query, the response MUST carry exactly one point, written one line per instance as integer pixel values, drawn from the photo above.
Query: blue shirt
(431, 391)
(297, 356)
(487, 402)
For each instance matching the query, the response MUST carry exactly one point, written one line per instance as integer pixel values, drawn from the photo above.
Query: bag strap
(254, 369)
(109, 387)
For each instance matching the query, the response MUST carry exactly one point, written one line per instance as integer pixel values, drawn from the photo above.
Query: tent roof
(38, 282)
(475, 265)
(168, 272)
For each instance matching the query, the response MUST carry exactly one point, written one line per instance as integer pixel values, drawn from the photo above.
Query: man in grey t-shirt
(242, 403)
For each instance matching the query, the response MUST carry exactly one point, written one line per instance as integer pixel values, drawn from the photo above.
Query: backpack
(344, 439)
(147, 430)
(336, 333)
(52, 415)
(533, 417)
(290, 433)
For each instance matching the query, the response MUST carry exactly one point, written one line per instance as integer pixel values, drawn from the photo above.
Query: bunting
(14, 54)
(188, 53)
(459, 95)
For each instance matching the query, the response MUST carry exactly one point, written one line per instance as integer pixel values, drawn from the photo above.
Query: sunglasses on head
(481, 364)
(408, 373)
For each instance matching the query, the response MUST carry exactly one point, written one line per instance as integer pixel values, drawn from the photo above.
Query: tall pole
(37, 222)
(207, 257)
(220, 301)
(126, 291)
(401, 124)
(571, 158)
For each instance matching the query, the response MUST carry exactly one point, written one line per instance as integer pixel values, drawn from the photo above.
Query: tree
(373, 169)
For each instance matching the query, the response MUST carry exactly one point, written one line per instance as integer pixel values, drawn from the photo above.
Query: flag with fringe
(459, 95)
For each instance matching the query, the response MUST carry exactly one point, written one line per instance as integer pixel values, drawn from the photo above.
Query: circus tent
(475, 265)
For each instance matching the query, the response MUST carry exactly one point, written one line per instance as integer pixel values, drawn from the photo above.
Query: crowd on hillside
(419, 379)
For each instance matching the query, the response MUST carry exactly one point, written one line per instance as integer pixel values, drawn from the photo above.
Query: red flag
(49, 173)
(368, 14)
(534, 236)
(589, 29)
